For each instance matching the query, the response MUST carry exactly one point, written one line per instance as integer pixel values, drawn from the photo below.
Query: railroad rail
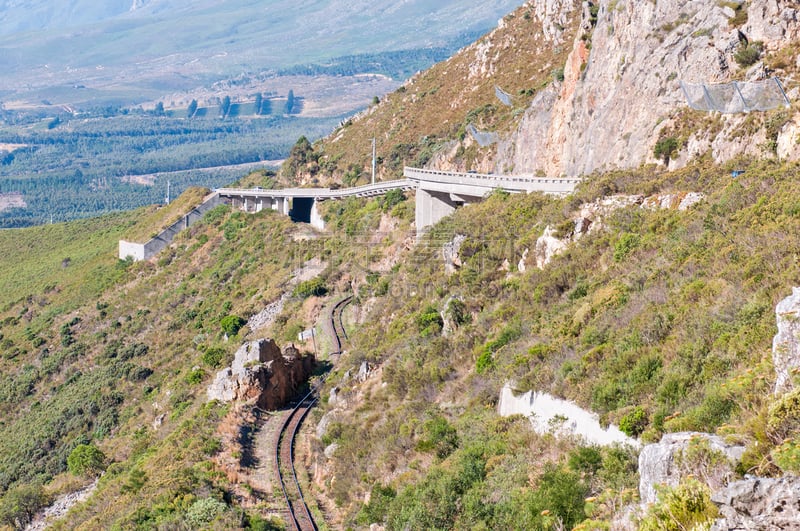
(299, 513)
(336, 318)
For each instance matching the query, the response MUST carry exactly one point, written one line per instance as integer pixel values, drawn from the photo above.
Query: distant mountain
(174, 44)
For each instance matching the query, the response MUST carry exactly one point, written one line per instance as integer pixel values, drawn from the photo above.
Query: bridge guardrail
(320, 193)
(485, 179)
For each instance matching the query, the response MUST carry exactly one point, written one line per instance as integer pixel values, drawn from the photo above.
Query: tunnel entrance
(301, 209)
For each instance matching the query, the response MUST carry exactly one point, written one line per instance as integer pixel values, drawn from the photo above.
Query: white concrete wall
(549, 414)
(134, 250)
(316, 218)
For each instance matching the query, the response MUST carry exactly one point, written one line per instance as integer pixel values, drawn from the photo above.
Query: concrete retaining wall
(145, 251)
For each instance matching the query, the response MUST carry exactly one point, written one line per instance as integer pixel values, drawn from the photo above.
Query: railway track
(337, 326)
(299, 514)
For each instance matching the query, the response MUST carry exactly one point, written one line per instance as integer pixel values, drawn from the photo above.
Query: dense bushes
(660, 322)
(308, 288)
(231, 324)
(86, 460)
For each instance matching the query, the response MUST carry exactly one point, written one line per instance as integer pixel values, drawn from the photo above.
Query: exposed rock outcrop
(262, 374)
(450, 250)
(765, 504)
(589, 218)
(549, 414)
(620, 93)
(786, 343)
(547, 246)
(678, 455)
(60, 507)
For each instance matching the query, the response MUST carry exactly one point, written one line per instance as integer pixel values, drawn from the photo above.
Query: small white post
(373, 160)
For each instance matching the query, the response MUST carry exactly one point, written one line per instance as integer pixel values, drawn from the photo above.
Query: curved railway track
(299, 513)
(339, 332)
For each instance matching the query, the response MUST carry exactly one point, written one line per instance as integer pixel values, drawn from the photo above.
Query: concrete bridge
(301, 203)
(438, 194)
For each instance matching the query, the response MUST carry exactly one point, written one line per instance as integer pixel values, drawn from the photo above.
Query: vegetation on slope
(434, 108)
(661, 322)
(111, 358)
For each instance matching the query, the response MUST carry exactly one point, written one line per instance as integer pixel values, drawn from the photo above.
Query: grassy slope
(114, 345)
(660, 321)
(414, 122)
(668, 311)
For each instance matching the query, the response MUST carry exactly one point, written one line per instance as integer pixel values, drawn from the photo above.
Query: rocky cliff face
(262, 374)
(677, 455)
(759, 503)
(786, 344)
(621, 88)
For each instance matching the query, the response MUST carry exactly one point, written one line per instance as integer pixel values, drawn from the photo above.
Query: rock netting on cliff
(621, 85)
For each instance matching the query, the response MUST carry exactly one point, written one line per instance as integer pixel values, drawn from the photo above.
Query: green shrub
(686, 506)
(214, 356)
(20, 504)
(391, 199)
(204, 511)
(211, 446)
(135, 481)
(666, 148)
(625, 245)
(440, 437)
(748, 54)
(195, 376)
(484, 362)
(314, 287)
(429, 321)
(784, 417)
(86, 460)
(231, 324)
(379, 500)
(787, 456)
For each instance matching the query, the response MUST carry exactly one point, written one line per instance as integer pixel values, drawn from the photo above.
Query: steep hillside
(646, 297)
(661, 321)
(116, 357)
(431, 112)
(592, 87)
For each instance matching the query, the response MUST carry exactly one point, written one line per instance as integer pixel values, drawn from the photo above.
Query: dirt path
(263, 474)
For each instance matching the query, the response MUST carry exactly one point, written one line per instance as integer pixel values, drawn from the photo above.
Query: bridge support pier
(431, 207)
(316, 219)
(281, 204)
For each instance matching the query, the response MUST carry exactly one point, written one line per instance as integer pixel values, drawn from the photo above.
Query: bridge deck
(477, 184)
(366, 190)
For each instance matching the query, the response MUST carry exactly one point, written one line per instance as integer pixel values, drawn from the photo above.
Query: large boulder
(708, 457)
(450, 250)
(547, 246)
(766, 504)
(786, 343)
(262, 374)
